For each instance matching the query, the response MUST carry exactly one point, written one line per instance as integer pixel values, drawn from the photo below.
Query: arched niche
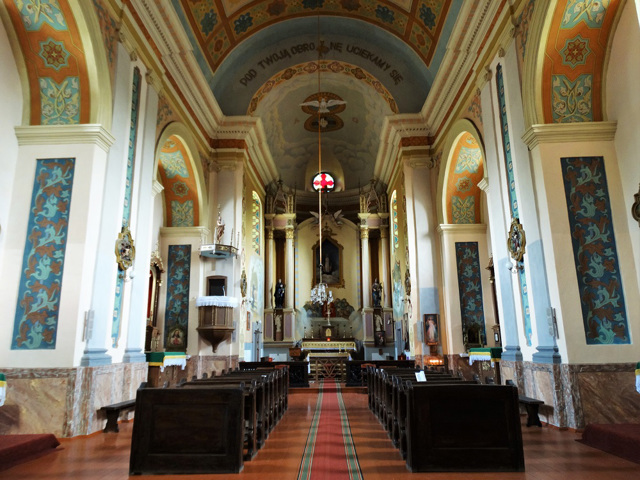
(462, 131)
(176, 137)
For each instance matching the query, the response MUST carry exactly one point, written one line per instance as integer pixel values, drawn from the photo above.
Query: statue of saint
(376, 291)
(279, 294)
(219, 229)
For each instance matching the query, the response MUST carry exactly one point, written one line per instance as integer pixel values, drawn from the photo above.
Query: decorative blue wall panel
(36, 319)
(513, 199)
(126, 211)
(594, 249)
(177, 306)
(470, 286)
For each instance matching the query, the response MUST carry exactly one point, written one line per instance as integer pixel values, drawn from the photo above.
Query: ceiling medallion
(517, 240)
(125, 249)
(322, 108)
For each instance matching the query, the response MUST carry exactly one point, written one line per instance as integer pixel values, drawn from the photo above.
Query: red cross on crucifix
(323, 182)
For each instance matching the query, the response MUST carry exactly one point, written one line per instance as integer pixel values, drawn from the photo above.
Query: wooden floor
(550, 454)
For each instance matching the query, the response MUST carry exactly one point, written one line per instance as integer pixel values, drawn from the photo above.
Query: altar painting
(331, 263)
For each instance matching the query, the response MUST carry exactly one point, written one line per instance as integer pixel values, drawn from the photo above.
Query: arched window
(394, 221)
(256, 215)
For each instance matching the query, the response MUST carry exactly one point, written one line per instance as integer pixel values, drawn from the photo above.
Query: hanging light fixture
(320, 292)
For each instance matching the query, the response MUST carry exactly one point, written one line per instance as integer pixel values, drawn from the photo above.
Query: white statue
(219, 229)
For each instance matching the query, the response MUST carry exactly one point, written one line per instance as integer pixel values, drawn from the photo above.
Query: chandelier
(320, 292)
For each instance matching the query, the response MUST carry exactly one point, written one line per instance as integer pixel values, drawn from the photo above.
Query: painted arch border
(182, 132)
(96, 68)
(535, 60)
(458, 129)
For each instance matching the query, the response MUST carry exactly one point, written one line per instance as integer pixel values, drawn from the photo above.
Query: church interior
(192, 187)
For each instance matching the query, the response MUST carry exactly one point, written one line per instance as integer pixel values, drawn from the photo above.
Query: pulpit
(215, 318)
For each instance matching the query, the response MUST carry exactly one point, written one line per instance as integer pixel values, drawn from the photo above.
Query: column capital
(269, 233)
(364, 233)
(569, 133)
(94, 134)
(384, 231)
(289, 233)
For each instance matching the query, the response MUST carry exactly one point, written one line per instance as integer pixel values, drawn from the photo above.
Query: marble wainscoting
(210, 364)
(65, 401)
(483, 369)
(575, 395)
(196, 366)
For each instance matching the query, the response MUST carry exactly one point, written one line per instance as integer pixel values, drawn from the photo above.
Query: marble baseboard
(483, 369)
(65, 401)
(579, 394)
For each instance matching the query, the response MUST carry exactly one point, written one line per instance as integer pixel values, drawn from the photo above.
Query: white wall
(560, 263)
(81, 247)
(623, 106)
(11, 116)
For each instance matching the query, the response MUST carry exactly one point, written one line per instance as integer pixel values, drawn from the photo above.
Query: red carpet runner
(329, 452)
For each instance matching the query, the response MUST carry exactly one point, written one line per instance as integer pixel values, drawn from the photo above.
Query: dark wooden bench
(113, 412)
(456, 428)
(531, 405)
(298, 371)
(188, 431)
(356, 375)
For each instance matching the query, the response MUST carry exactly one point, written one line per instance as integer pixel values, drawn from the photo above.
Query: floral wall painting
(256, 285)
(398, 292)
(177, 306)
(36, 319)
(595, 253)
(470, 289)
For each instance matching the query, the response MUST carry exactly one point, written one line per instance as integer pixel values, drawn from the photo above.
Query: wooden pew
(398, 426)
(452, 427)
(254, 436)
(355, 371)
(298, 371)
(274, 382)
(188, 431)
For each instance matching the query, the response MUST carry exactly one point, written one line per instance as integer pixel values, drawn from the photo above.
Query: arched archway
(567, 50)
(182, 178)
(460, 175)
(465, 243)
(62, 60)
(463, 196)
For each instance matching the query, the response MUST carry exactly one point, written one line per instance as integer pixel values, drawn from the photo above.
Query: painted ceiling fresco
(261, 58)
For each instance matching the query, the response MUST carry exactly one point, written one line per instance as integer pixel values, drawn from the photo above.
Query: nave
(550, 454)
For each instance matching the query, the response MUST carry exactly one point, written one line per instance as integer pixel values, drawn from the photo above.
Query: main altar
(328, 357)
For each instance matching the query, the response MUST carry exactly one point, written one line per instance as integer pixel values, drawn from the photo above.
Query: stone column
(384, 242)
(290, 268)
(134, 350)
(271, 260)
(498, 222)
(366, 267)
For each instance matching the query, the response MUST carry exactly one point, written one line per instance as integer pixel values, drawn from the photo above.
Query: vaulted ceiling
(372, 58)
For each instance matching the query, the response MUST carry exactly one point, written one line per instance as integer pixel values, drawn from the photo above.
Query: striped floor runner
(329, 452)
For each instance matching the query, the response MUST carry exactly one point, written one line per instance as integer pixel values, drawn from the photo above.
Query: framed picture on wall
(431, 329)
(331, 263)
